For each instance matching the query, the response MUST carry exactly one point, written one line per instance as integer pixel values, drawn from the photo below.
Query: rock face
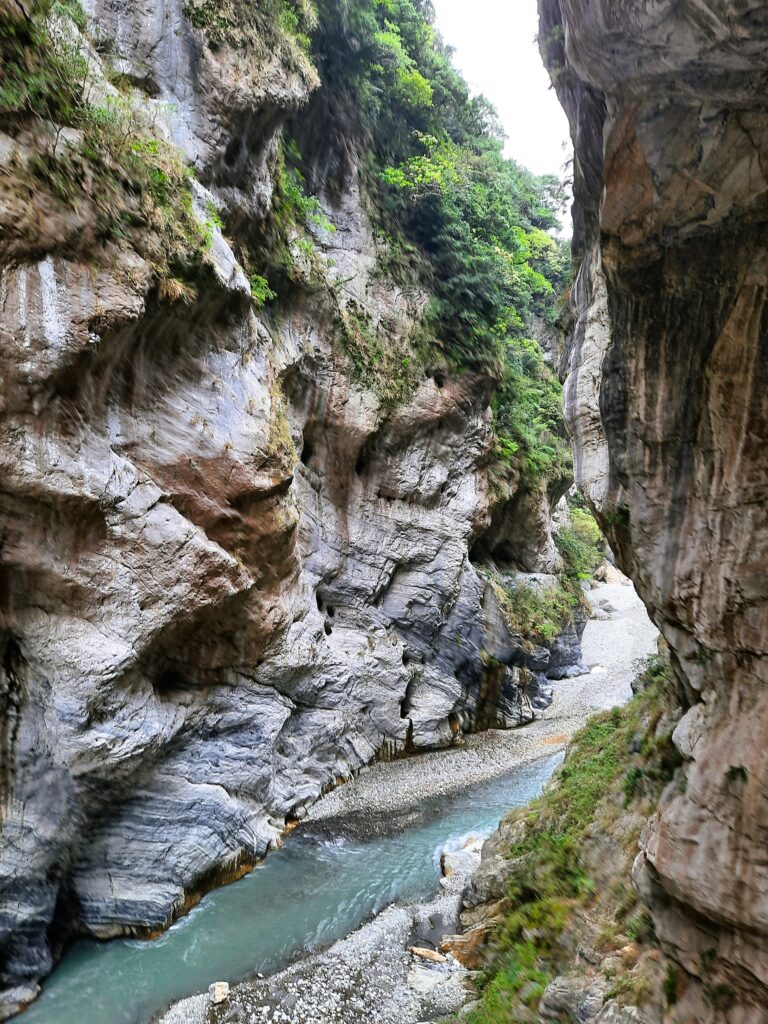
(231, 574)
(666, 398)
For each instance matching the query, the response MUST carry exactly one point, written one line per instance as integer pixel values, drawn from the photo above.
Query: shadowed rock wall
(666, 398)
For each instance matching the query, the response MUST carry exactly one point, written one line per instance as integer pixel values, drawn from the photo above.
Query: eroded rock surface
(231, 573)
(666, 397)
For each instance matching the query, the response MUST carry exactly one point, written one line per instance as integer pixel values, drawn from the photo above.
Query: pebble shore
(370, 977)
(612, 646)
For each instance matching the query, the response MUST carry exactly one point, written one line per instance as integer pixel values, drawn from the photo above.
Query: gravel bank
(370, 977)
(612, 646)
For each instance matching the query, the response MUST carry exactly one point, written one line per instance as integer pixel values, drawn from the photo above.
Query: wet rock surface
(665, 393)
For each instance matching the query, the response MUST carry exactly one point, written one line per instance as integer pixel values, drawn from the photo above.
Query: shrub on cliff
(440, 178)
(478, 226)
(262, 28)
(528, 414)
(538, 614)
(581, 545)
(618, 763)
(86, 155)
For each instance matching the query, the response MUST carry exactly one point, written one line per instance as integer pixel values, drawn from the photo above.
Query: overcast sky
(497, 53)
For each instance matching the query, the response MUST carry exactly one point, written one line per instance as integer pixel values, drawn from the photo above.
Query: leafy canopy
(440, 182)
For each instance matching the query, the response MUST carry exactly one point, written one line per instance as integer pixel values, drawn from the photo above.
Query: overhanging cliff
(666, 398)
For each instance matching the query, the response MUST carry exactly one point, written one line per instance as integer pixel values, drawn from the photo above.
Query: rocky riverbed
(616, 637)
(372, 977)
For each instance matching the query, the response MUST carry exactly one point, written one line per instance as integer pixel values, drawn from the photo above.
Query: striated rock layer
(666, 398)
(231, 574)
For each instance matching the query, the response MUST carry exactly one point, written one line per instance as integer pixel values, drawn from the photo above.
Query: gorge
(283, 469)
(243, 462)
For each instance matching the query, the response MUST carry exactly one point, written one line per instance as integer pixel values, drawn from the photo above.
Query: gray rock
(576, 998)
(218, 992)
(665, 381)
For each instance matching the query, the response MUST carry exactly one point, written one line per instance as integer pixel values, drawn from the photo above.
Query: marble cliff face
(231, 575)
(666, 397)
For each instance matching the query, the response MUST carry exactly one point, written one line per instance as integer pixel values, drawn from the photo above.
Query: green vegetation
(539, 613)
(261, 293)
(581, 546)
(550, 862)
(293, 202)
(284, 255)
(104, 155)
(264, 26)
(528, 414)
(476, 226)
(294, 208)
(41, 78)
(492, 262)
(72, 9)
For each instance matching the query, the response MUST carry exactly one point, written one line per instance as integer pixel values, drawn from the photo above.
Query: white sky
(496, 51)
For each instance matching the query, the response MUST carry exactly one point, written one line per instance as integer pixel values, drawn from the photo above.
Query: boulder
(218, 992)
(427, 954)
(468, 948)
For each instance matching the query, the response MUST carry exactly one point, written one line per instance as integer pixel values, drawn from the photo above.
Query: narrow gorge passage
(370, 843)
(335, 398)
(317, 889)
(280, 449)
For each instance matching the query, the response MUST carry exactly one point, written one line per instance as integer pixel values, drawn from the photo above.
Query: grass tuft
(550, 867)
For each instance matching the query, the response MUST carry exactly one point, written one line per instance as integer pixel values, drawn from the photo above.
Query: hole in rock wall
(10, 715)
(439, 379)
(328, 628)
(306, 453)
(319, 601)
(232, 152)
(169, 682)
(408, 697)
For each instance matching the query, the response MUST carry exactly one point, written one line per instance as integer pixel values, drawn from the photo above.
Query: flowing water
(318, 888)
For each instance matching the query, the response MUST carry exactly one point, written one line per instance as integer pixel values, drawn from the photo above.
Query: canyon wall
(233, 570)
(666, 398)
